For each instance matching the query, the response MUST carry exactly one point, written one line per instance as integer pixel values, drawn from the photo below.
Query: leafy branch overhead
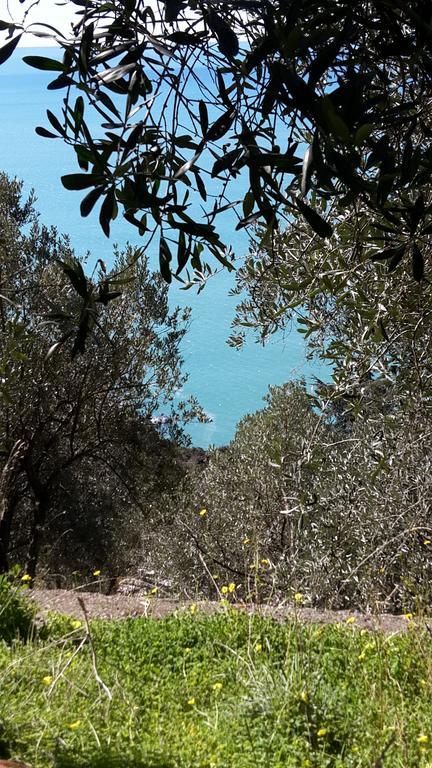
(310, 101)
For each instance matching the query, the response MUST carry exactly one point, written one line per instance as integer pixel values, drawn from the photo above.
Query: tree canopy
(76, 436)
(319, 105)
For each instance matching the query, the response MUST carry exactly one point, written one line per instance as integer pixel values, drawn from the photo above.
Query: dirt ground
(124, 606)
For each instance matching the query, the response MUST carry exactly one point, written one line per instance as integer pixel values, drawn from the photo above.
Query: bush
(16, 612)
(307, 500)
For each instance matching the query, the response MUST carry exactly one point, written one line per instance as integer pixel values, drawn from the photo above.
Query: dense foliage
(79, 450)
(310, 498)
(327, 97)
(325, 109)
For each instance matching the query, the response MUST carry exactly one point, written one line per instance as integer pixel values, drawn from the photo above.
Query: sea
(228, 383)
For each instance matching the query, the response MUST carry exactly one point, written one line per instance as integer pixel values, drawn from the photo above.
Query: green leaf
(56, 124)
(221, 125)
(108, 211)
(306, 170)
(90, 200)
(223, 93)
(62, 81)
(108, 103)
(225, 162)
(76, 181)
(248, 204)
(41, 131)
(389, 253)
(164, 260)
(334, 121)
(7, 50)
(227, 39)
(417, 263)
(78, 114)
(203, 116)
(42, 62)
(200, 185)
(182, 253)
(73, 269)
(318, 224)
(251, 219)
(54, 347)
(363, 133)
(396, 259)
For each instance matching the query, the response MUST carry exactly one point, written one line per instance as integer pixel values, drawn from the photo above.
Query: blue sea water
(228, 383)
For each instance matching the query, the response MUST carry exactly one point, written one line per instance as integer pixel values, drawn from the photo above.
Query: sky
(59, 13)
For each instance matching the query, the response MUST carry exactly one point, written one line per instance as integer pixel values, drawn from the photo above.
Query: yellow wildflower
(408, 616)
(73, 726)
(322, 732)
(191, 701)
(231, 586)
(217, 686)
(224, 589)
(422, 739)
(26, 577)
(350, 620)
(426, 541)
(246, 540)
(298, 597)
(47, 680)
(264, 561)
(258, 647)
(76, 623)
(193, 608)
(202, 512)
(97, 572)
(153, 591)
(304, 696)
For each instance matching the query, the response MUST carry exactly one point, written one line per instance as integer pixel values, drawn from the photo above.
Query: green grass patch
(216, 692)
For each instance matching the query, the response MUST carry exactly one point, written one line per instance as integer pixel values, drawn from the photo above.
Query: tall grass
(222, 691)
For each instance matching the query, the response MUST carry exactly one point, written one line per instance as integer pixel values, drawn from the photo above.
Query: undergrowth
(216, 692)
(16, 612)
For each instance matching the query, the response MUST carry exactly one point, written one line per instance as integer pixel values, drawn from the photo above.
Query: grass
(216, 692)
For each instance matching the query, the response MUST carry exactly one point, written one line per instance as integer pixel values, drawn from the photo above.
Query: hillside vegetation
(213, 692)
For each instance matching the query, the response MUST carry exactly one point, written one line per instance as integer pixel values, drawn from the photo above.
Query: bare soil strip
(126, 606)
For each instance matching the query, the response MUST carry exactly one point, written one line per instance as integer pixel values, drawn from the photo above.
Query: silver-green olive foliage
(309, 100)
(83, 424)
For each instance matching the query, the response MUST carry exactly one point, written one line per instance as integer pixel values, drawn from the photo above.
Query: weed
(214, 692)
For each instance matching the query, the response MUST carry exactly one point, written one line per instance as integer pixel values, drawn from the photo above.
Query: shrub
(16, 612)
(306, 500)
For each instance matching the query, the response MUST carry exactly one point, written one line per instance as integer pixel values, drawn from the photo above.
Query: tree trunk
(8, 498)
(37, 530)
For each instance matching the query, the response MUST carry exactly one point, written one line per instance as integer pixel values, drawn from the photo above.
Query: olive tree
(89, 417)
(310, 100)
